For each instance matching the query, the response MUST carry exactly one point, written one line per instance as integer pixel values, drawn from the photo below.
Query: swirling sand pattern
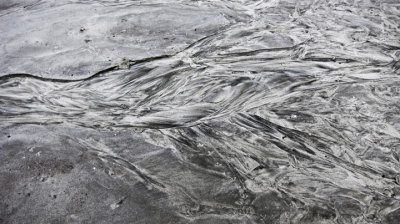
(289, 113)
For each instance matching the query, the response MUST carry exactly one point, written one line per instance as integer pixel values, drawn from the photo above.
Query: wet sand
(199, 111)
